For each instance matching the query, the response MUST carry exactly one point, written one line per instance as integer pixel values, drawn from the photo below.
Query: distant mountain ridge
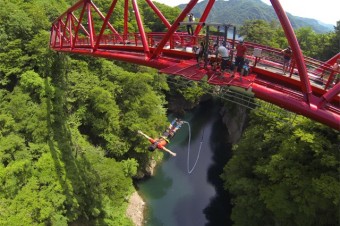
(237, 11)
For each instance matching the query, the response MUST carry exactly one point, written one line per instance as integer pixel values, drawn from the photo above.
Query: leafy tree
(153, 23)
(307, 40)
(284, 174)
(68, 144)
(258, 31)
(330, 43)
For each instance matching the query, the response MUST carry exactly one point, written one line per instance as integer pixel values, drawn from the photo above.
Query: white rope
(189, 148)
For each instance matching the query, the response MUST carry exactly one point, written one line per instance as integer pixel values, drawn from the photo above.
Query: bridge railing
(259, 55)
(272, 59)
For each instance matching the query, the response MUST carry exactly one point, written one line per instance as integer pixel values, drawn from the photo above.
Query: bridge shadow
(74, 173)
(219, 210)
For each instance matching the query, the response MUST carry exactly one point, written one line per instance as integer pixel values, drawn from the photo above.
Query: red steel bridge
(307, 89)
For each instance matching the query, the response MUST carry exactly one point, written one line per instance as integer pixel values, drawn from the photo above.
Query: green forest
(68, 146)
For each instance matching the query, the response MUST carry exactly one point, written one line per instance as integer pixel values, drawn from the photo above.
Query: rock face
(147, 170)
(235, 120)
(178, 105)
(151, 167)
(135, 209)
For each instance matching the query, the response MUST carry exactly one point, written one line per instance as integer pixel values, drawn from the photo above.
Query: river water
(176, 198)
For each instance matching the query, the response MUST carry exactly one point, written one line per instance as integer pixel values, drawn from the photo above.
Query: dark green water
(176, 198)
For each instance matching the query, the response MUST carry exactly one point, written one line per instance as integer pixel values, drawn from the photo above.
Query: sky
(326, 11)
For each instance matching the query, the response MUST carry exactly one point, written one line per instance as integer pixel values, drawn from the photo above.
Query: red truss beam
(294, 44)
(204, 16)
(141, 29)
(70, 34)
(174, 27)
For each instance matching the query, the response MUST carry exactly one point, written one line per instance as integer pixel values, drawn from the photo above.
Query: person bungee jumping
(164, 139)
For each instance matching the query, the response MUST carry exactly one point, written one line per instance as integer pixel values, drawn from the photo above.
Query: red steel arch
(83, 29)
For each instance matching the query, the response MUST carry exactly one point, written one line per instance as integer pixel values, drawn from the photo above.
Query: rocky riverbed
(135, 210)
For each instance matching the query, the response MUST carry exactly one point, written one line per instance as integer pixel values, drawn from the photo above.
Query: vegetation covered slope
(68, 144)
(285, 172)
(317, 46)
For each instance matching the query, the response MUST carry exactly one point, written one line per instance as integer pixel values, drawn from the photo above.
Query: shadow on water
(219, 210)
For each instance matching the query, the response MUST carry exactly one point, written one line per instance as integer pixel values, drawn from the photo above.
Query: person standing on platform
(287, 55)
(199, 52)
(191, 19)
(241, 50)
(336, 69)
(223, 51)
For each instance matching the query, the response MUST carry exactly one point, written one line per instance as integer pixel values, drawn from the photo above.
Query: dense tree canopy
(286, 172)
(318, 46)
(68, 144)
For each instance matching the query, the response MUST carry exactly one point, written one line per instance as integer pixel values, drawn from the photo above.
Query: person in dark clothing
(241, 50)
(287, 55)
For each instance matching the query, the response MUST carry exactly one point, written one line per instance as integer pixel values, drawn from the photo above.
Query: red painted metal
(330, 79)
(288, 92)
(204, 16)
(103, 18)
(292, 40)
(141, 28)
(70, 22)
(90, 24)
(174, 27)
(328, 96)
(159, 14)
(295, 105)
(71, 9)
(126, 18)
(80, 25)
(106, 20)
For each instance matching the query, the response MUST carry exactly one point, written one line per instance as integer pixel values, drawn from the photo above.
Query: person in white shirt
(224, 52)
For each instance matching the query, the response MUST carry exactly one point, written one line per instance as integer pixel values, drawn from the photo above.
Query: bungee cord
(189, 148)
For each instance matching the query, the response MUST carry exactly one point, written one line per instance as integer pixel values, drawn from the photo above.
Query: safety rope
(189, 148)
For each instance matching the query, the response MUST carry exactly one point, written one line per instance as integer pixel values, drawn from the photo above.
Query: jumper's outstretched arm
(164, 148)
(143, 134)
(170, 152)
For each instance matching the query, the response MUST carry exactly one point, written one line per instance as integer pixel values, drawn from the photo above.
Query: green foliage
(190, 91)
(307, 39)
(68, 144)
(193, 92)
(14, 62)
(152, 22)
(258, 31)
(284, 174)
(329, 44)
(130, 167)
(318, 46)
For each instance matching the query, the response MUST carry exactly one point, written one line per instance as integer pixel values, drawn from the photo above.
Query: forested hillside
(318, 46)
(238, 11)
(285, 171)
(68, 144)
